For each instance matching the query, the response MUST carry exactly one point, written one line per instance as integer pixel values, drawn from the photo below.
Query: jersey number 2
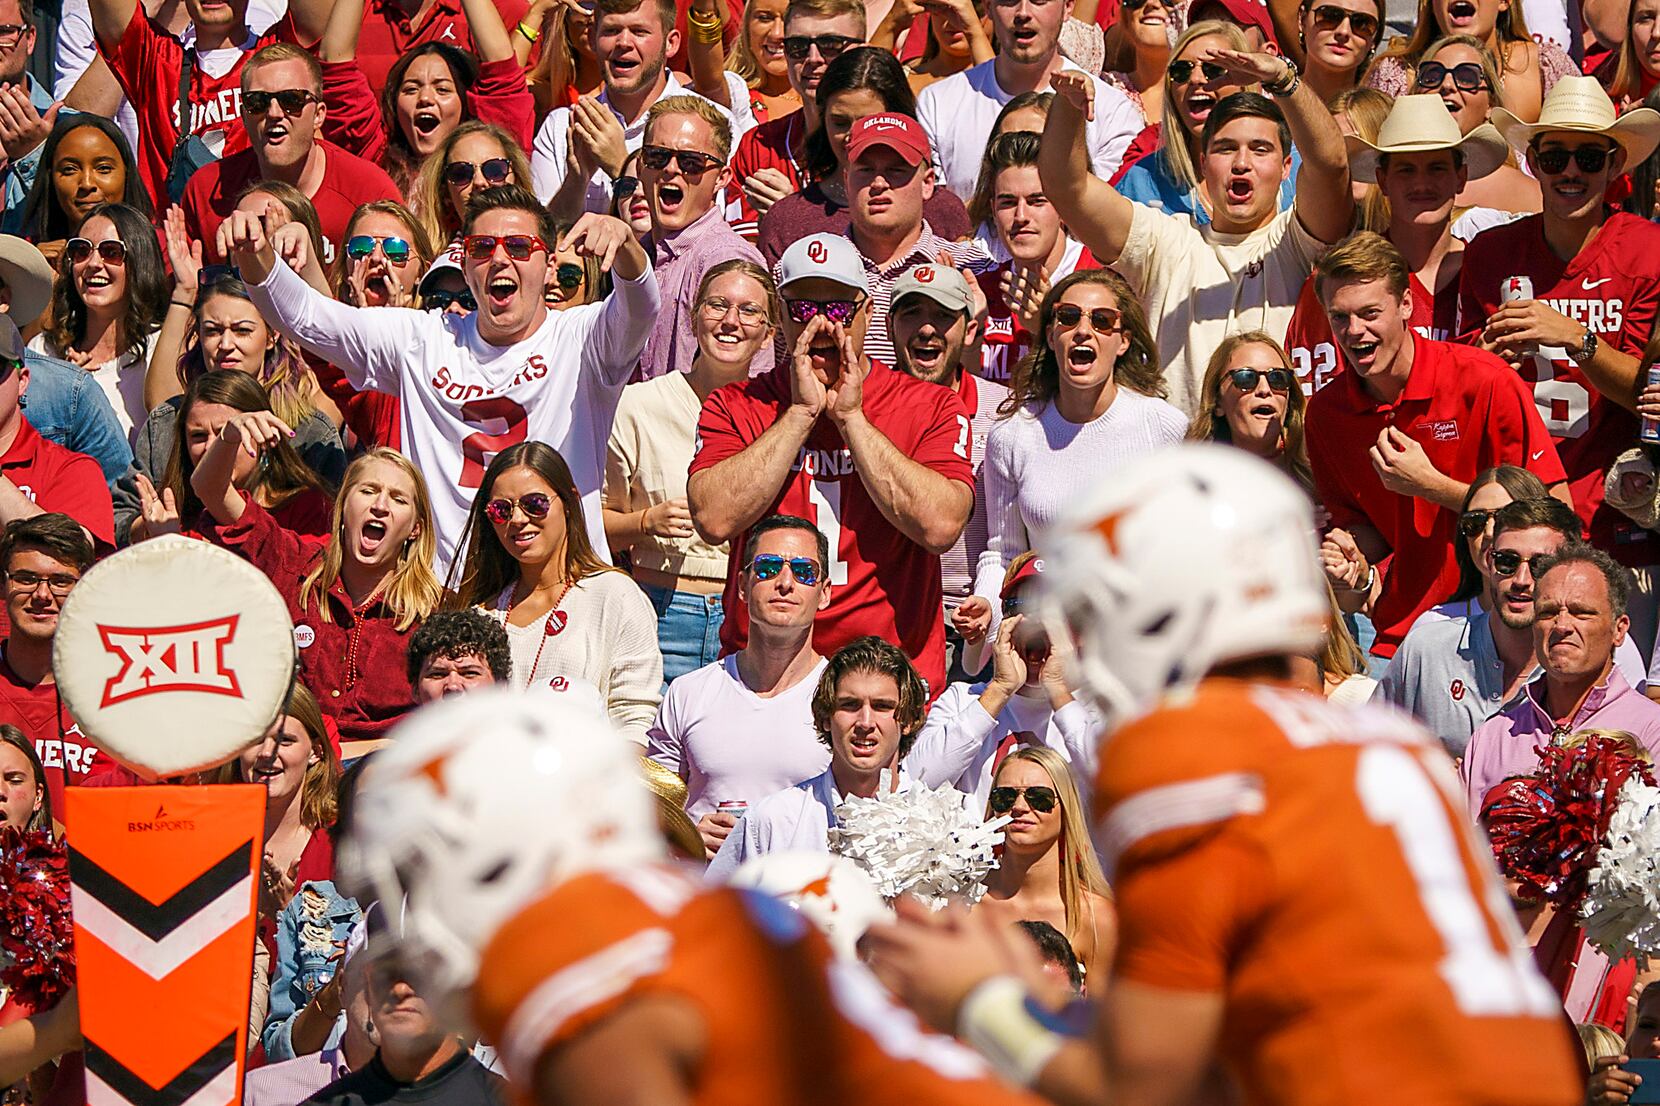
(477, 449)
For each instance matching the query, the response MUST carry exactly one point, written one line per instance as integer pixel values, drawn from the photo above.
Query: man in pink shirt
(1579, 619)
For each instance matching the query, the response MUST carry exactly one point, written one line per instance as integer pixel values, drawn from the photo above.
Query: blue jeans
(688, 629)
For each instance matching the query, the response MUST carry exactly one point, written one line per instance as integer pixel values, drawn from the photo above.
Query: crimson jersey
(1313, 353)
(1004, 341)
(783, 1022)
(1314, 866)
(1613, 287)
(68, 755)
(881, 582)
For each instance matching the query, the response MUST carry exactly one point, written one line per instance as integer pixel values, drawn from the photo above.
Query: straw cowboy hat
(1419, 124)
(1580, 104)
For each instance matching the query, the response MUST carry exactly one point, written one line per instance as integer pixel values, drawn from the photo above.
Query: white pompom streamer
(930, 844)
(1621, 911)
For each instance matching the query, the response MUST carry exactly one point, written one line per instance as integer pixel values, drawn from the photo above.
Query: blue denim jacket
(20, 175)
(65, 405)
(311, 933)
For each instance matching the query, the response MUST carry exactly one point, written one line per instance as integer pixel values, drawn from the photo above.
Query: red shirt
(354, 122)
(368, 705)
(348, 183)
(881, 582)
(146, 63)
(766, 146)
(68, 755)
(1308, 340)
(1004, 341)
(386, 32)
(1613, 287)
(1469, 412)
(59, 479)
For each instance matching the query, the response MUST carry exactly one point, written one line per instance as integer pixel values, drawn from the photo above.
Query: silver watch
(1587, 350)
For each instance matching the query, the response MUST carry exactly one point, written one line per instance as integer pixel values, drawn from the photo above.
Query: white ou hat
(829, 256)
(447, 261)
(1580, 104)
(1420, 124)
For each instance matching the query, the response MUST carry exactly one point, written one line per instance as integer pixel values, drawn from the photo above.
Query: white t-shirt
(465, 400)
(1199, 285)
(959, 112)
(959, 741)
(729, 743)
(547, 155)
(121, 378)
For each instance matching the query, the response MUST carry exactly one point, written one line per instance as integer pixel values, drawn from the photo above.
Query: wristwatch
(1587, 349)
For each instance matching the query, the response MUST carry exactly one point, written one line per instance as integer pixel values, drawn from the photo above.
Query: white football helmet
(1185, 559)
(477, 806)
(832, 892)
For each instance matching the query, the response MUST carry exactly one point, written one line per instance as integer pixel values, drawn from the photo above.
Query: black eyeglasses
(830, 47)
(292, 101)
(1329, 17)
(1471, 523)
(1182, 71)
(1246, 380)
(441, 300)
(767, 565)
(78, 250)
(59, 583)
(1590, 159)
(693, 163)
(1041, 799)
(1102, 320)
(495, 170)
(1506, 562)
(11, 33)
(569, 276)
(1467, 76)
(535, 505)
(359, 246)
(837, 311)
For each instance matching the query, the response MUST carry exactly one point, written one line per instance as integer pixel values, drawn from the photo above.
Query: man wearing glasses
(1569, 297)
(877, 460)
(684, 176)
(283, 113)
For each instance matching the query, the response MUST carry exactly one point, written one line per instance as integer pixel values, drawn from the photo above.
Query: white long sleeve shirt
(958, 743)
(463, 400)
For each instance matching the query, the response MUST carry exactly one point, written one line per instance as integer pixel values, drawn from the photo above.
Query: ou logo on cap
(817, 252)
(924, 273)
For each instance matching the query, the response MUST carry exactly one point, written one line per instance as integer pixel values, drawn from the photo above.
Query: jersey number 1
(826, 497)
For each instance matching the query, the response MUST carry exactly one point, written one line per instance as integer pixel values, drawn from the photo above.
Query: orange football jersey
(785, 1022)
(1316, 866)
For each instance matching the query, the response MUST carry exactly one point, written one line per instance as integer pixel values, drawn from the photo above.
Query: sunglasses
(1102, 320)
(10, 33)
(837, 311)
(1041, 799)
(1246, 380)
(359, 246)
(1471, 523)
(624, 187)
(535, 505)
(1329, 17)
(78, 250)
(214, 273)
(1506, 562)
(1590, 159)
(1467, 76)
(440, 301)
(1182, 71)
(1013, 605)
(495, 170)
(767, 565)
(830, 47)
(519, 247)
(569, 276)
(292, 101)
(7, 367)
(693, 163)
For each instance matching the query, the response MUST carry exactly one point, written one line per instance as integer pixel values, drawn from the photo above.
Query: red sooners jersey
(1613, 287)
(1313, 353)
(1004, 342)
(68, 755)
(881, 582)
(1314, 865)
(783, 1023)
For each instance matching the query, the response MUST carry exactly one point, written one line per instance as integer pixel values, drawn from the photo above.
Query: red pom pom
(37, 933)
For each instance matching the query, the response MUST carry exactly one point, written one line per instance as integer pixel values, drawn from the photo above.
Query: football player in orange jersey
(1302, 900)
(538, 911)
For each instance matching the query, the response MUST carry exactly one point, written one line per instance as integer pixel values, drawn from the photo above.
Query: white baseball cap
(448, 260)
(829, 256)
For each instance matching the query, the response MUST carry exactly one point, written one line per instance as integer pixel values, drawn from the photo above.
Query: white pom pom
(1621, 911)
(930, 844)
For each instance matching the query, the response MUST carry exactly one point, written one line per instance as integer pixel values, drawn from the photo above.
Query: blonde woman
(1049, 871)
(1250, 398)
(474, 156)
(355, 599)
(1528, 68)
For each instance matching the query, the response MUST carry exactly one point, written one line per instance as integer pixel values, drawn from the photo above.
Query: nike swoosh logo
(1538, 455)
(1589, 284)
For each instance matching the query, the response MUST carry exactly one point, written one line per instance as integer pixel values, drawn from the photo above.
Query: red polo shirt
(59, 479)
(387, 32)
(1470, 412)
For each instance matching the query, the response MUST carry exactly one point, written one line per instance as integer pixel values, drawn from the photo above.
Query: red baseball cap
(1245, 13)
(1031, 568)
(899, 133)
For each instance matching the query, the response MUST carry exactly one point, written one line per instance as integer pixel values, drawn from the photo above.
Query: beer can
(1651, 426)
(1516, 288)
(734, 807)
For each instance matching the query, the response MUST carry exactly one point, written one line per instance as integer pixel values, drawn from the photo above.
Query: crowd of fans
(725, 363)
